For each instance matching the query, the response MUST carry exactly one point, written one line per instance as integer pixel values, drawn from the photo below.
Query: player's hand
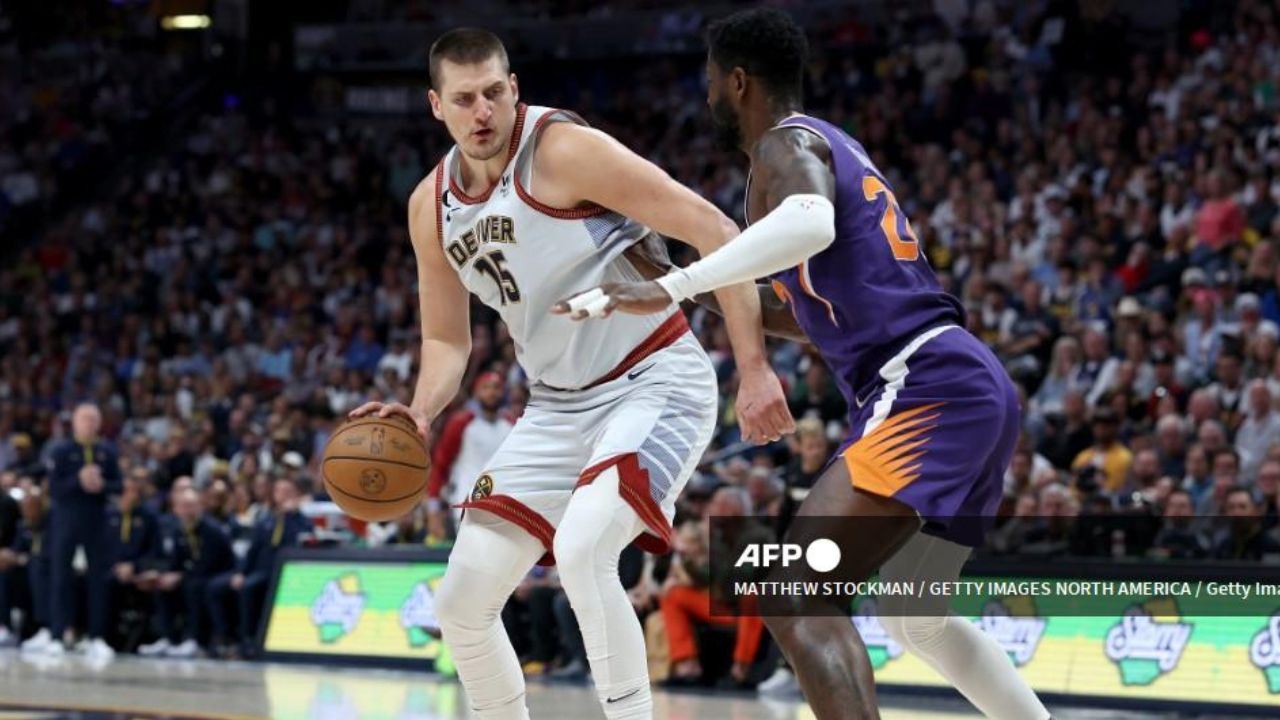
(417, 417)
(637, 298)
(763, 415)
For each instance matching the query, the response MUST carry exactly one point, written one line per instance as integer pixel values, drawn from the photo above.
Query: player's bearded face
(724, 120)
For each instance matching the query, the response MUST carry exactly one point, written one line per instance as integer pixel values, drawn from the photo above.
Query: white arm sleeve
(799, 228)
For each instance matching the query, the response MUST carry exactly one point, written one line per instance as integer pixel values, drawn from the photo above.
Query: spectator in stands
(1068, 434)
(84, 472)
(417, 527)
(1259, 431)
(470, 437)
(814, 394)
(133, 538)
(1062, 378)
(194, 550)
(1268, 487)
(1244, 537)
(1051, 534)
(1220, 222)
(1171, 446)
(764, 491)
(1107, 452)
(1012, 535)
(688, 596)
(1226, 475)
(1179, 537)
(1228, 388)
(248, 584)
(30, 568)
(1165, 378)
(1143, 474)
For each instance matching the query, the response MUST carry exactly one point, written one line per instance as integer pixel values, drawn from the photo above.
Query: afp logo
(822, 555)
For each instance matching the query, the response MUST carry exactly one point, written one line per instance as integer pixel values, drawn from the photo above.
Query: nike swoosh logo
(637, 373)
(863, 400)
(621, 697)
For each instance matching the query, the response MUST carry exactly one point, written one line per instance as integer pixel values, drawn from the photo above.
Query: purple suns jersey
(872, 290)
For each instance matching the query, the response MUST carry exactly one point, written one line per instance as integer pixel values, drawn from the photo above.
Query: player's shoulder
(571, 142)
(423, 201)
(783, 145)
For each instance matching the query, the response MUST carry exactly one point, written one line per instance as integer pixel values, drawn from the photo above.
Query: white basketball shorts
(651, 417)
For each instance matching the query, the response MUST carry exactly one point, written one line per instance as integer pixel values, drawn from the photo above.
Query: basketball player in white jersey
(529, 207)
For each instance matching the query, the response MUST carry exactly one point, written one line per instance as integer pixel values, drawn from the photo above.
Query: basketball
(375, 468)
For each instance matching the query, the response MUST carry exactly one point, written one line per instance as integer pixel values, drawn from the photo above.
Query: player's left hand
(637, 298)
(763, 416)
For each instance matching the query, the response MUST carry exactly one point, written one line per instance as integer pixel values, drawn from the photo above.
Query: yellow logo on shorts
(483, 488)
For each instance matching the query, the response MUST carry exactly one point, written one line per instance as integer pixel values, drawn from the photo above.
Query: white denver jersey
(520, 257)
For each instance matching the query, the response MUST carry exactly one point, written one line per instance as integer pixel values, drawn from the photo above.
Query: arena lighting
(185, 22)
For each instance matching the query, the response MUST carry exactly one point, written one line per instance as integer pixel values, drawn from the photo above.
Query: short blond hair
(810, 426)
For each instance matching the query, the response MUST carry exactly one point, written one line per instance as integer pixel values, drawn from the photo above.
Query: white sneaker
(98, 650)
(186, 650)
(55, 649)
(7, 639)
(82, 646)
(38, 642)
(155, 649)
(781, 682)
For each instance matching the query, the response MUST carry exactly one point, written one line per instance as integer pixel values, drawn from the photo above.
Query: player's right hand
(417, 417)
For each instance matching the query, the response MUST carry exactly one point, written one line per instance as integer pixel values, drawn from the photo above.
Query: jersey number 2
(495, 266)
(904, 250)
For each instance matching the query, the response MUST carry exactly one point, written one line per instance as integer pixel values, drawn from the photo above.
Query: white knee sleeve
(970, 660)
(487, 562)
(596, 526)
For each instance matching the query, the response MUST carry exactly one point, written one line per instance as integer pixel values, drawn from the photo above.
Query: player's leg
(961, 653)
(488, 560)
(825, 650)
(595, 528)
(651, 430)
(968, 658)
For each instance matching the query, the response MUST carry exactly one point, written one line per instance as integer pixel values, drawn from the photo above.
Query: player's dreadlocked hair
(465, 46)
(767, 44)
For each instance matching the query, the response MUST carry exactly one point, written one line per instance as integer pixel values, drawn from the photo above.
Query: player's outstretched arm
(576, 163)
(790, 166)
(649, 256)
(446, 319)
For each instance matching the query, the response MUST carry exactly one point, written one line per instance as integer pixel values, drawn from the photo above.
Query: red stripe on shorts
(633, 486)
(514, 511)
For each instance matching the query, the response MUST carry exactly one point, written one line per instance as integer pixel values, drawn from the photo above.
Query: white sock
(595, 528)
(488, 560)
(961, 653)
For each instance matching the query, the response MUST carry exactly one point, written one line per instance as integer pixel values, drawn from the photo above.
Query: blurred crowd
(224, 303)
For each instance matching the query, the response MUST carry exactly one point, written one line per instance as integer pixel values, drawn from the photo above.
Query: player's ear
(515, 87)
(433, 100)
(738, 81)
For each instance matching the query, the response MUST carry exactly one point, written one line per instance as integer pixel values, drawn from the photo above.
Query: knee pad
(461, 600)
(914, 631)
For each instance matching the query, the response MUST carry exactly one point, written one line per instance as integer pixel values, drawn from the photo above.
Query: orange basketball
(376, 468)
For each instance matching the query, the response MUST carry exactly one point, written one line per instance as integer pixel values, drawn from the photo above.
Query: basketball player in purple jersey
(934, 416)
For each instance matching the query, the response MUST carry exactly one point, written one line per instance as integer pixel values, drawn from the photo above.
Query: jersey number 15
(494, 264)
(905, 250)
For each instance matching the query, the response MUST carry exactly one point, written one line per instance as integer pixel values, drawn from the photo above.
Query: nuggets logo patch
(483, 488)
(372, 481)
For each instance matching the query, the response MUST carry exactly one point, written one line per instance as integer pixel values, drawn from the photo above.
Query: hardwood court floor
(129, 688)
